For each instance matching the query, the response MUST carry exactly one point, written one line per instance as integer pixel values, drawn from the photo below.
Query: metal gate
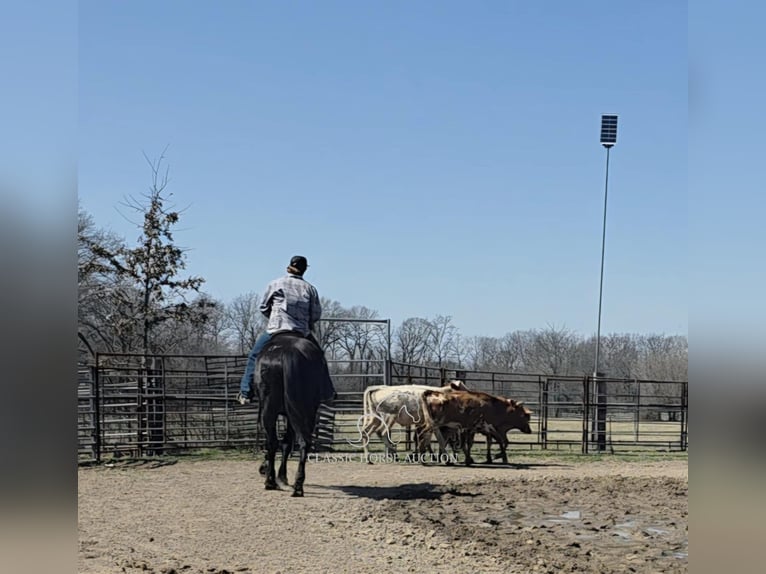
(133, 405)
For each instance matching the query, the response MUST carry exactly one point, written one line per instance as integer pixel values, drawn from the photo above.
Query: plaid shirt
(292, 304)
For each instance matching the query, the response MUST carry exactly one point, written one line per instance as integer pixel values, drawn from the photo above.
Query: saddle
(296, 335)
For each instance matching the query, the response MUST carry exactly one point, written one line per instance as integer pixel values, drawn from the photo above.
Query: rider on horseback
(292, 305)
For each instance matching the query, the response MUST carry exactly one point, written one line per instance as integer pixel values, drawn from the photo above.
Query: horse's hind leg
(287, 448)
(304, 443)
(272, 442)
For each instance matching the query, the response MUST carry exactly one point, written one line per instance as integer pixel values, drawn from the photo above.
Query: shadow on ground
(501, 466)
(418, 491)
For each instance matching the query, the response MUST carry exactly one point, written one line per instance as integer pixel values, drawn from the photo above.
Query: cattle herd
(452, 414)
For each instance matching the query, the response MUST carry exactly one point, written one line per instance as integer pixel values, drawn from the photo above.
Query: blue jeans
(246, 384)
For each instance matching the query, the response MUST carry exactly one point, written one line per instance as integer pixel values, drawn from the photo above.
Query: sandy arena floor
(540, 514)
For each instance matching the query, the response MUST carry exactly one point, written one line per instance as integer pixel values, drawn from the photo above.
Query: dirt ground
(539, 514)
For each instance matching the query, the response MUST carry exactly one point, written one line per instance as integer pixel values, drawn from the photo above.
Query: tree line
(137, 299)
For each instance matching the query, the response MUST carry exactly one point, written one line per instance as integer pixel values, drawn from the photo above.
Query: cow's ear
(511, 402)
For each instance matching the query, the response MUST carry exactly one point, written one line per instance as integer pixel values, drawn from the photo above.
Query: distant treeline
(132, 299)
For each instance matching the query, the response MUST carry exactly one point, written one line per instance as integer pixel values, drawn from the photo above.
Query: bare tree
(481, 353)
(201, 330)
(620, 353)
(663, 358)
(509, 353)
(441, 339)
(360, 340)
(549, 350)
(245, 320)
(460, 351)
(106, 300)
(411, 340)
(329, 333)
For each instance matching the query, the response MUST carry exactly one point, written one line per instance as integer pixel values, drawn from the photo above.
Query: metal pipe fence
(136, 405)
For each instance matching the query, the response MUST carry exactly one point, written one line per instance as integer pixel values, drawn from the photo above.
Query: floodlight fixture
(608, 130)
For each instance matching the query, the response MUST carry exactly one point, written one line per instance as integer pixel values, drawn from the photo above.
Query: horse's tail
(301, 402)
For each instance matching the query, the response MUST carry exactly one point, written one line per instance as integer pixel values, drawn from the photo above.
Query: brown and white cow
(385, 406)
(474, 411)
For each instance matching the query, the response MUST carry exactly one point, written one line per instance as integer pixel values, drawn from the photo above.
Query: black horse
(291, 378)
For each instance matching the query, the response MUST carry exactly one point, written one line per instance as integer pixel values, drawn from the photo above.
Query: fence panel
(135, 405)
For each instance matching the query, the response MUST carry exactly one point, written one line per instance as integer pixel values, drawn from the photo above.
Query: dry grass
(562, 433)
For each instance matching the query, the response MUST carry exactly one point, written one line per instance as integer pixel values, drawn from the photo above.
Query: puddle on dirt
(629, 524)
(505, 519)
(565, 517)
(652, 530)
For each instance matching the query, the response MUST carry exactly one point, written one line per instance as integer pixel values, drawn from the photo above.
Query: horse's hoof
(272, 486)
(488, 461)
(297, 493)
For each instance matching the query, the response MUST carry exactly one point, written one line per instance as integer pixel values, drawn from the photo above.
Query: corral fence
(137, 405)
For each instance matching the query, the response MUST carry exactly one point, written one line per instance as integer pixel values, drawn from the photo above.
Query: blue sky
(428, 158)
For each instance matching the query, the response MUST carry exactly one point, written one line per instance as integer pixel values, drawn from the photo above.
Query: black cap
(299, 262)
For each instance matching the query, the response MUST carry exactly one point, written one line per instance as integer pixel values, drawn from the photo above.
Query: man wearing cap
(292, 304)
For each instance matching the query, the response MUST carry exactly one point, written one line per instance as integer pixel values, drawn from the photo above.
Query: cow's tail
(429, 426)
(367, 412)
(428, 421)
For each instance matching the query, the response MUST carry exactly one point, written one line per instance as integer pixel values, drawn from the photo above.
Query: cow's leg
(384, 434)
(304, 443)
(467, 443)
(369, 427)
(286, 446)
(458, 439)
(424, 436)
(383, 430)
(272, 443)
(489, 449)
(365, 435)
(452, 439)
(442, 443)
(424, 442)
(503, 441)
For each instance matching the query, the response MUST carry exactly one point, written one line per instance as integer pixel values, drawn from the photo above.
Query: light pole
(608, 139)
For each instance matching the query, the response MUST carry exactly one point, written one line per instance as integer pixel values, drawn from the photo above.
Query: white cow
(385, 406)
